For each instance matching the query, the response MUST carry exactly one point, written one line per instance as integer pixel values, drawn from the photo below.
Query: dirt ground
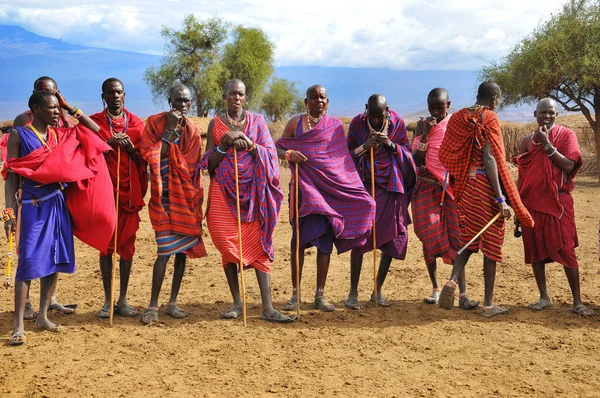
(408, 349)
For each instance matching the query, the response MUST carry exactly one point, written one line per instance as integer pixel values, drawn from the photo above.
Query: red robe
(133, 179)
(77, 159)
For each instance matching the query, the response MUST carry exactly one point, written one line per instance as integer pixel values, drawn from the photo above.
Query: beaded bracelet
(220, 151)
(553, 152)
(422, 146)
(288, 153)
(252, 147)
(500, 200)
(8, 214)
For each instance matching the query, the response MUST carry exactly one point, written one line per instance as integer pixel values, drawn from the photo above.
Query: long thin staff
(114, 262)
(375, 292)
(239, 220)
(7, 281)
(480, 232)
(297, 216)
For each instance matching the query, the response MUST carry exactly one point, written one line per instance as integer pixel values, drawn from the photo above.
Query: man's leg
(106, 272)
(231, 272)
(464, 301)
(172, 308)
(578, 307)
(21, 296)
(435, 288)
(47, 284)
(446, 299)
(356, 261)
(539, 271)
(320, 302)
(384, 268)
(158, 275)
(489, 276)
(291, 304)
(269, 313)
(123, 308)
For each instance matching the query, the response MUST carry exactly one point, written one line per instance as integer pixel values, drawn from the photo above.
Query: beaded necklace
(110, 117)
(236, 124)
(311, 118)
(41, 137)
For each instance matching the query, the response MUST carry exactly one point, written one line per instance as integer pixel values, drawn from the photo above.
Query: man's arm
(290, 132)
(22, 119)
(419, 156)
(13, 148)
(82, 118)
(491, 169)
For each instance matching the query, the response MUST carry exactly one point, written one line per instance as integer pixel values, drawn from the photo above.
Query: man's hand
(540, 135)
(234, 135)
(63, 102)
(10, 227)
(297, 157)
(506, 212)
(428, 125)
(173, 119)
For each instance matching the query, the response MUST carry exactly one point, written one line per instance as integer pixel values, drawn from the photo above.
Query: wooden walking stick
(375, 292)
(480, 232)
(7, 281)
(114, 262)
(297, 216)
(239, 220)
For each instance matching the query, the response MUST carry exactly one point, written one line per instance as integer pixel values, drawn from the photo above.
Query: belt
(36, 201)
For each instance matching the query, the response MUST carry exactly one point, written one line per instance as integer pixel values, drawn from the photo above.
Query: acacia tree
(198, 57)
(250, 57)
(560, 59)
(281, 99)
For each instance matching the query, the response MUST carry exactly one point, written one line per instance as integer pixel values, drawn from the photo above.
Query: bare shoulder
(290, 128)
(22, 119)
(525, 144)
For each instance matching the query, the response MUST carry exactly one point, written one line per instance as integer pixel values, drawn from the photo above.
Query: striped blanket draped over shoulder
(185, 198)
(260, 193)
(432, 156)
(329, 182)
(392, 173)
(466, 130)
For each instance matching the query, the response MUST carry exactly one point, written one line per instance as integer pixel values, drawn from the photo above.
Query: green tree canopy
(281, 99)
(560, 59)
(198, 57)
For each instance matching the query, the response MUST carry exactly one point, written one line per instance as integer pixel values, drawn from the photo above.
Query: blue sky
(396, 34)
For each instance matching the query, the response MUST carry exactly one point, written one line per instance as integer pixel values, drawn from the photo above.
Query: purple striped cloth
(260, 193)
(329, 183)
(392, 173)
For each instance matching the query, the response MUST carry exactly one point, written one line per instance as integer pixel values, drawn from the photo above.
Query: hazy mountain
(80, 70)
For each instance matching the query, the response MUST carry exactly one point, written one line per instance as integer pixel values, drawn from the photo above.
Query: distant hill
(80, 70)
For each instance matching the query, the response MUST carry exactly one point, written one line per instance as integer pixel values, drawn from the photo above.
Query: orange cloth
(223, 229)
(185, 198)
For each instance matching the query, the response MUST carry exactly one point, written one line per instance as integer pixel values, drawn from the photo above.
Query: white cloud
(410, 34)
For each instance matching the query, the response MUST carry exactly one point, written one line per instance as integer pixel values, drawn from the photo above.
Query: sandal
(150, 316)
(104, 312)
(126, 310)
(232, 313)
(466, 303)
(540, 305)
(291, 304)
(321, 304)
(493, 310)
(63, 309)
(175, 311)
(381, 301)
(17, 339)
(446, 300)
(50, 327)
(277, 317)
(352, 303)
(582, 310)
(29, 314)
(434, 298)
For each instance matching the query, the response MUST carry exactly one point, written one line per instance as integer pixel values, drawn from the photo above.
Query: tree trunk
(597, 139)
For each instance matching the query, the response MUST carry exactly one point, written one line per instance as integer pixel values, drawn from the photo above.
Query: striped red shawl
(185, 216)
(464, 131)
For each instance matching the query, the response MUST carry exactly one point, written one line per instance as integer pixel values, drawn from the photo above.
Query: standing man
(171, 145)
(383, 130)
(41, 158)
(334, 207)
(434, 211)
(259, 192)
(549, 161)
(121, 128)
(45, 83)
(473, 153)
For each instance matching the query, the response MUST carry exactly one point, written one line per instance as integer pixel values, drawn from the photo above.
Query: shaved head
(377, 103)
(487, 91)
(438, 93)
(45, 83)
(180, 87)
(546, 103)
(315, 88)
(230, 83)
